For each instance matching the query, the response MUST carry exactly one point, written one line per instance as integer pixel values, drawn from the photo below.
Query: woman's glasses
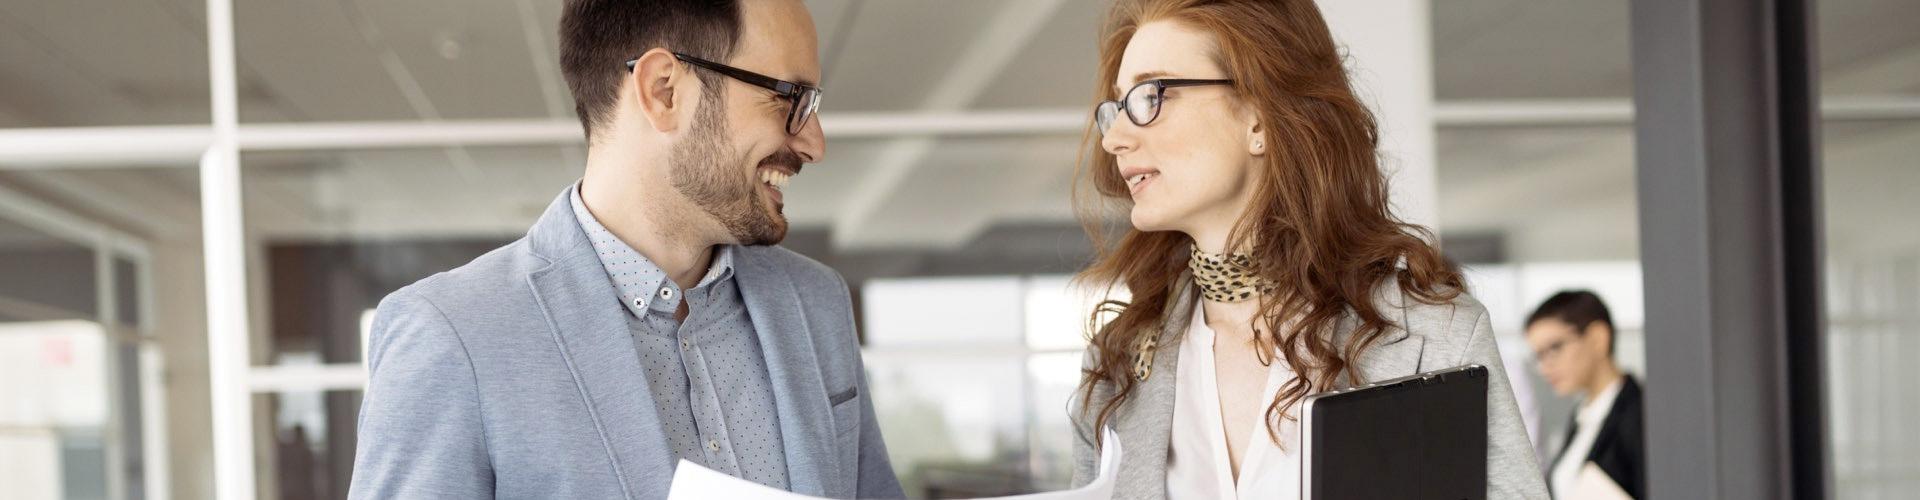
(1142, 103)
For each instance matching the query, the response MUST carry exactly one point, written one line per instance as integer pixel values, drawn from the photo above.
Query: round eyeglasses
(1142, 103)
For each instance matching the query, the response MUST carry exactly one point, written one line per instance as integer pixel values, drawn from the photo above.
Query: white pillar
(225, 254)
(1389, 45)
(106, 305)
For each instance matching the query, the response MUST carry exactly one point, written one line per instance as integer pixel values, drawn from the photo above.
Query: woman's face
(1191, 168)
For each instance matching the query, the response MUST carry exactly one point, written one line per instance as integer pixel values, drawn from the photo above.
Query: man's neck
(634, 212)
(1601, 381)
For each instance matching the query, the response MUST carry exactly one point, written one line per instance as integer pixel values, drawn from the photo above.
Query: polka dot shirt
(707, 375)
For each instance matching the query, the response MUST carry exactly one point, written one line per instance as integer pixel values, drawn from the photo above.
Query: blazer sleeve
(421, 433)
(1512, 470)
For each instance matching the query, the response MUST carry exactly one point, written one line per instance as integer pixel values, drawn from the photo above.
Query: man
(645, 318)
(1572, 337)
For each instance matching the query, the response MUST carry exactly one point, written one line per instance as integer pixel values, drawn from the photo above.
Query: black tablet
(1417, 437)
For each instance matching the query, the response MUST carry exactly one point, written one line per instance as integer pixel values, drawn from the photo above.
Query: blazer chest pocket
(846, 410)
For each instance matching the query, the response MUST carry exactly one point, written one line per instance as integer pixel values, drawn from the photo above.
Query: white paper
(693, 482)
(1595, 484)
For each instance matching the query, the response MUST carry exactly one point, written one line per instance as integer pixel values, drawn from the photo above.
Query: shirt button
(686, 344)
(666, 293)
(713, 445)
(640, 302)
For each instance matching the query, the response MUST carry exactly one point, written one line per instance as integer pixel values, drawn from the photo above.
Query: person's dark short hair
(1579, 308)
(598, 37)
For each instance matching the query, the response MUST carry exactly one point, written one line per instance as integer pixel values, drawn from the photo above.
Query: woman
(1263, 261)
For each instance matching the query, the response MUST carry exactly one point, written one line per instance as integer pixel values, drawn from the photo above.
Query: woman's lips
(1139, 181)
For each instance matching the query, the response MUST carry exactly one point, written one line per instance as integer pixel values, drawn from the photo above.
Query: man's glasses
(1142, 103)
(1552, 351)
(803, 100)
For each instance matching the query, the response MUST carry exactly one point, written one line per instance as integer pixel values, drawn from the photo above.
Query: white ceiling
(137, 62)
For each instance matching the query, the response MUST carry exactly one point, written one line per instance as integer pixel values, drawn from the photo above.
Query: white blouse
(1197, 464)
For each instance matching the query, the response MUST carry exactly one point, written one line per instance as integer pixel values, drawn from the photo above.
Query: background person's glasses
(1142, 103)
(803, 100)
(1552, 351)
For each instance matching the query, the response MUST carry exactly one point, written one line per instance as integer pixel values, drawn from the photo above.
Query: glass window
(1869, 72)
(971, 378)
(77, 346)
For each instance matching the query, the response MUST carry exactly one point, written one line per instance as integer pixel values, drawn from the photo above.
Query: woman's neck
(1231, 317)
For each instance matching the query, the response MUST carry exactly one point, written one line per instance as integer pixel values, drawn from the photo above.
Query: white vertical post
(153, 424)
(225, 255)
(1390, 49)
(106, 306)
(153, 396)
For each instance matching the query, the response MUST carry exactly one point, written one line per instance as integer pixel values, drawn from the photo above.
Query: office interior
(180, 323)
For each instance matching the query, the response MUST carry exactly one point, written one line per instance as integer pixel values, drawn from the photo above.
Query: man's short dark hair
(1579, 308)
(598, 37)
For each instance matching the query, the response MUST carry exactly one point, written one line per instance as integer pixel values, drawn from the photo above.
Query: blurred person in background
(1572, 338)
(1262, 257)
(647, 317)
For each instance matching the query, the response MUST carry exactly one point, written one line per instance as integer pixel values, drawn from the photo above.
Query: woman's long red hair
(1320, 226)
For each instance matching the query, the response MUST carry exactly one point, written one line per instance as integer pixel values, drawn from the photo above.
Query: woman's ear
(661, 92)
(1256, 140)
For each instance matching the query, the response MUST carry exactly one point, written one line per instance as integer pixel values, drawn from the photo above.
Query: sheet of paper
(693, 482)
(1594, 484)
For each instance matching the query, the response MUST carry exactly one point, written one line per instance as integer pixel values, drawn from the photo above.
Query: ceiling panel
(99, 62)
(896, 52)
(471, 59)
(1524, 49)
(315, 62)
(1058, 69)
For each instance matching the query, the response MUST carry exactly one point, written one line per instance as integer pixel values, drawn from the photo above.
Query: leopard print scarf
(1226, 278)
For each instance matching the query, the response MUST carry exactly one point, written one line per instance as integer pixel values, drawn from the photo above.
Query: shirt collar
(1591, 414)
(640, 284)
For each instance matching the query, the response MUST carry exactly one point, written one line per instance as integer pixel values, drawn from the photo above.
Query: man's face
(737, 156)
(1568, 358)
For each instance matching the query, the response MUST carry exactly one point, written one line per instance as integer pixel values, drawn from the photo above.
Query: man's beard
(708, 174)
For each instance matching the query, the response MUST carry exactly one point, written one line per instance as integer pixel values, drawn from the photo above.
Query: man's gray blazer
(1425, 337)
(514, 376)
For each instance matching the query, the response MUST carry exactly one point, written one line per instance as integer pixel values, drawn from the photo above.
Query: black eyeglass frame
(1106, 111)
(803, 101)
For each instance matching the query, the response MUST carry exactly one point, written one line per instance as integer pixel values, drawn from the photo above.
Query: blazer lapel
(1148, 420)
(800, 398)
(586, 320)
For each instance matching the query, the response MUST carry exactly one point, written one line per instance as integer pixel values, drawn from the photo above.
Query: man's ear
(662, 89)
(1599, 335)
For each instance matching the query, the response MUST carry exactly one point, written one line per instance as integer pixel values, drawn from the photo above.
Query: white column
(1390, 55)
(225, 254)
(106, 306)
